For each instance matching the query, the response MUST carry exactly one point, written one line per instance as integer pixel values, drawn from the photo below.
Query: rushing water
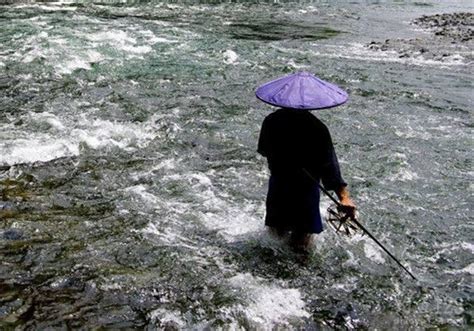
(133, 197)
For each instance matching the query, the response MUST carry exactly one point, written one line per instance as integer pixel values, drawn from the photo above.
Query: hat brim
(301, 91)
(300, 108)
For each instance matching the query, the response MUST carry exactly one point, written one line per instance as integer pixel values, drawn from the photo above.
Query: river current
(132, 195)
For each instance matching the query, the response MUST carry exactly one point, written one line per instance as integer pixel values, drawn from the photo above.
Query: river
(133, 196)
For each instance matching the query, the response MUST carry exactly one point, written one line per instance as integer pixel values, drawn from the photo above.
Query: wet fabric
(301, 91)
(292, 141)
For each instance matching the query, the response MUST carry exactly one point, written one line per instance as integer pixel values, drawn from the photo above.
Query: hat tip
(304, 74)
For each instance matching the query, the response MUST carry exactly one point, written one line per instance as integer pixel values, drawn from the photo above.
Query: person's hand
(348, 206)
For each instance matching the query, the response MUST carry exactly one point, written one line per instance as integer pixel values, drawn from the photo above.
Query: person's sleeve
(263, 140)
(330, 170)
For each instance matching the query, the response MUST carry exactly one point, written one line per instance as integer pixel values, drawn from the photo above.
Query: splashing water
(133, 197)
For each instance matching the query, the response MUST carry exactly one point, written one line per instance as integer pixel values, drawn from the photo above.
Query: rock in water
(457, 26)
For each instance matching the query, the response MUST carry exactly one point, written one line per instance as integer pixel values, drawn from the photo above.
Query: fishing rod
(341, 207)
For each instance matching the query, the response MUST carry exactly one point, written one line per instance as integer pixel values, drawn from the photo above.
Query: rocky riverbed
(459, 27)
(451, 34)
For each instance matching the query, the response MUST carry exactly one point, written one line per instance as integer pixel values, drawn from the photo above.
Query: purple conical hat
(301, 91)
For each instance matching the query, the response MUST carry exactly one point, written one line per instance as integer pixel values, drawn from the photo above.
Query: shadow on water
(283, 30)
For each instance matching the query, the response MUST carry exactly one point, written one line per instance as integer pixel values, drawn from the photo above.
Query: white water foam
(64, 58)
(54, 6)
(80, 48)
(232, 221)
(164, 231)
(83, 61)
(467, 246)
(120, 40)
(407, 131)
(267, 305)
(468, 270)
(371, 250)
(403, 175)
(103, 133)
(154, 202)
(361, 52)
(169, 237)
(167, 164)
(357, 51)
(148, 198)
(404, 172)
(215, 209)
(296, 66)
(47, 119)
(450, 248)
(230, 57)
(153, 39)
(166, 318)
(373, 253)
(32, 150)
(47, 137)
(111, 287)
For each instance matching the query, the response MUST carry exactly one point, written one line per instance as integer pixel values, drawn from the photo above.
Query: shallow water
(132, 194)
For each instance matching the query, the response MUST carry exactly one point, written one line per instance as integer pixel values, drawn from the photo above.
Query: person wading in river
(300, 153)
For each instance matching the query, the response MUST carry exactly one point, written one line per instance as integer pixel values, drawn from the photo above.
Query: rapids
(132, 195)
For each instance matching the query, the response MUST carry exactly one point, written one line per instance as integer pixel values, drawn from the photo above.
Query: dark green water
(132, 195)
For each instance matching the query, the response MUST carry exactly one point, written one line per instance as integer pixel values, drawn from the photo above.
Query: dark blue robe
(293, 140)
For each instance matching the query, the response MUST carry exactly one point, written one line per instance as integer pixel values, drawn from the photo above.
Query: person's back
(294, 142)
(299, 152)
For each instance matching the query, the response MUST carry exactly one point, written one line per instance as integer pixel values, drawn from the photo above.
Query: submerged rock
(13, 234)
(16, 311)
(6, 205)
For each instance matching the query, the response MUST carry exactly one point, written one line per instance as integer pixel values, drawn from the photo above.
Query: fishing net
(341, 221)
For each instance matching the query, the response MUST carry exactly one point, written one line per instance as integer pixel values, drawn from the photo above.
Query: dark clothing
(293, 140)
